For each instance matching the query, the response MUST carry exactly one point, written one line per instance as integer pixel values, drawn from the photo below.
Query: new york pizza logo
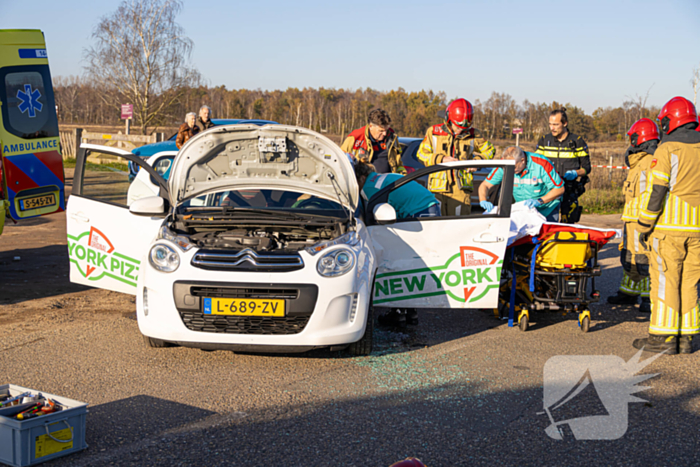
(95, 256)
(467, 277)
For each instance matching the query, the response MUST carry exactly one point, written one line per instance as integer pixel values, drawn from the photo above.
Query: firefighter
(669, 226)
(453, 140)
(644, 138)
(569, 154)
(376, 143)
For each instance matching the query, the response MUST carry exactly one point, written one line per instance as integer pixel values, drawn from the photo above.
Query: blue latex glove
(533, 203)
(487, 206)
(570, 175)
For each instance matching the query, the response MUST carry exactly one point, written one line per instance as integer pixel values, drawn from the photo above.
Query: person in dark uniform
(569, 155)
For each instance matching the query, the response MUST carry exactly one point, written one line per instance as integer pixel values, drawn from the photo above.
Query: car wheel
(156, 343)
(363, 347)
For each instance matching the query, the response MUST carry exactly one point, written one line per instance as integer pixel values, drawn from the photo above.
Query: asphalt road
(462, 388)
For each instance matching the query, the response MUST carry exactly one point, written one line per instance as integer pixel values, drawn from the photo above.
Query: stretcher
(552, 271)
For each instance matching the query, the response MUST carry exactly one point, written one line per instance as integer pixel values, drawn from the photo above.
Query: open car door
(106, 242)
(440, 262)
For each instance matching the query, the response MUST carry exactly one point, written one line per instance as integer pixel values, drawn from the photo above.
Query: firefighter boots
(645, 306)
(658, 344)
(622, 299)
(685, 344)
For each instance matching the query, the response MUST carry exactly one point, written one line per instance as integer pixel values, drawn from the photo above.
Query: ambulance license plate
(37, 202)
(243, 307)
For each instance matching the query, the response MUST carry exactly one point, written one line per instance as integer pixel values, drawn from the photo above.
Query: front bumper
(327, 311)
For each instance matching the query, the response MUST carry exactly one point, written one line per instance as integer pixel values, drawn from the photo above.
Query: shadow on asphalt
(445, 416)
(39, 273)
(134, 419)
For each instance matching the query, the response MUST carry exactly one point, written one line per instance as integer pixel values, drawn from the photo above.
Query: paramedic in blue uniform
(536, 182)
(411, 200)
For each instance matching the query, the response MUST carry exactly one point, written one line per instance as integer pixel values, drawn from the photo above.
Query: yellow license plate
(37, 202)
(243, 307)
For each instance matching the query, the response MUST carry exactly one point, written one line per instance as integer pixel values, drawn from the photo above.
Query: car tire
(363, 347)
(156, 343)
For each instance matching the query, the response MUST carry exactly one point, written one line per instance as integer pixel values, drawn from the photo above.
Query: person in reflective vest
(376, 143)
(453, 140)
(669, 226)
(569, 155)
(644, 138)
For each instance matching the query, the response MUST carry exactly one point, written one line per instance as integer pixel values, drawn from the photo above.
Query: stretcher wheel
(524, 321)
(584, 320)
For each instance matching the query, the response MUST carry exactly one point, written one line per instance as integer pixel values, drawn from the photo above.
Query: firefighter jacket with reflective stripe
(359, 144)
(440, 142)
(636, 184)
(570, 154)
(671, 202)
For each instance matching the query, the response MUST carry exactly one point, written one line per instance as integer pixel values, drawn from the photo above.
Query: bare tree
(141, 57)
(639, 103)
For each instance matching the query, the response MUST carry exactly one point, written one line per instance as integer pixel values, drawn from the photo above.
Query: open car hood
(272, 156)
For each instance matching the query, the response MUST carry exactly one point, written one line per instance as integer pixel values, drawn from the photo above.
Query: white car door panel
(106, 243)
(451, 262)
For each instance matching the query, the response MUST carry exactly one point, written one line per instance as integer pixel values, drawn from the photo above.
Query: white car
(259, 242)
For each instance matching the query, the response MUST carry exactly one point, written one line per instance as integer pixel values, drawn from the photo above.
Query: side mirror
(149, 206)
(384, 213)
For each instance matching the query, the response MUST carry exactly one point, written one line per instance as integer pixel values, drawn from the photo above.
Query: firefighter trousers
(635, 262)
(674, 267)
(456, 202)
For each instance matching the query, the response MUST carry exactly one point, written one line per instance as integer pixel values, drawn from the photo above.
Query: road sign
(517, 131)
(127, 111)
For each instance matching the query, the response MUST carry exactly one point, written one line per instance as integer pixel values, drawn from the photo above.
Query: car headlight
(164, 258)
(336, 262)
(350, 238)
(179, 240)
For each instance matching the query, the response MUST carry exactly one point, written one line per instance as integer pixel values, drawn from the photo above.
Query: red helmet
(642, 131)
(460, 112)
(409, 461)
(678, 111)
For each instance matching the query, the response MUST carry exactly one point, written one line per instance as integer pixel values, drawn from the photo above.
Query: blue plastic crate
(40, 439)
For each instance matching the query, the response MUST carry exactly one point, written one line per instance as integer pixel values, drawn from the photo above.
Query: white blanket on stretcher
(526, 221)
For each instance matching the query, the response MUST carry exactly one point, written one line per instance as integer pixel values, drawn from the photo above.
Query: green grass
(602, 201)
(70, 163)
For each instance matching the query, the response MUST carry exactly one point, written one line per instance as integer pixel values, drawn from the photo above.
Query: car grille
(300, 301)
(197, 321)
(247, 261)
(242, 292)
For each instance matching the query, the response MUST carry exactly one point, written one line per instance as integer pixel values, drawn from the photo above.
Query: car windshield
(263, 199)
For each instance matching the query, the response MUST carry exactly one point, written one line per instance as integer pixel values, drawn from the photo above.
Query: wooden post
(160, 137)
(128, 126)
(517, 139)
(610, 162)
(78, 138)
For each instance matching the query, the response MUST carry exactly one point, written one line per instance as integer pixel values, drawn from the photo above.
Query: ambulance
(31, 168)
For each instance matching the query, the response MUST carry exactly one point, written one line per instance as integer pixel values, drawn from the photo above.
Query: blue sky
(590, 53)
